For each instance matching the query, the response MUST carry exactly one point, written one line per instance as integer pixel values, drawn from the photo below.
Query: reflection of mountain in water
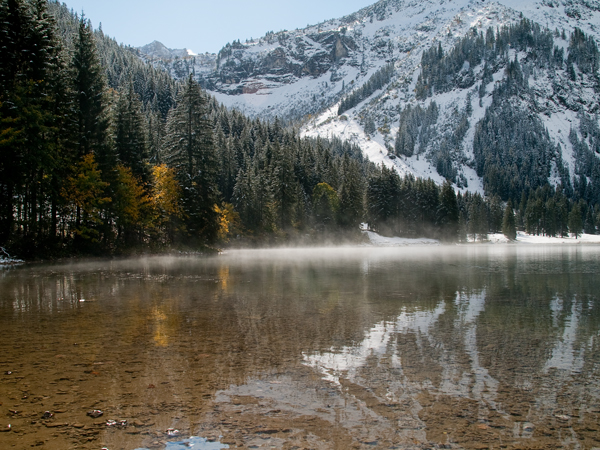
(378, 343)
(565, 356)
(498, 357)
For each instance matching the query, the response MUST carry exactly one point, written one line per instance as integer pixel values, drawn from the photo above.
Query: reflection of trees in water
(534, 337)
(527, 315)
(295, 309)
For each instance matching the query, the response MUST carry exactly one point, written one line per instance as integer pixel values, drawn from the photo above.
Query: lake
(332, 348)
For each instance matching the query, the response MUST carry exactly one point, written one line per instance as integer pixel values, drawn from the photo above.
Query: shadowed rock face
(311, 55)
(387, 31)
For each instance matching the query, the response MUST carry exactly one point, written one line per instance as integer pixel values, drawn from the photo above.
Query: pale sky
(206, 26)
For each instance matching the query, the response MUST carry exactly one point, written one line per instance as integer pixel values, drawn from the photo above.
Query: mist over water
(352, 347)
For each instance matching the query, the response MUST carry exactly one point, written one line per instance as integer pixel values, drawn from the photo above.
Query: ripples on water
(459, 347)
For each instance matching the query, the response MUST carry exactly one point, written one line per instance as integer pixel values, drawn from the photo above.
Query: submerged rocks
(116, 423)
(95, 413)
(528, 427)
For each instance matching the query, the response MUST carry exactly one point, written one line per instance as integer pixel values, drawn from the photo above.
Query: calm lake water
(412, 348)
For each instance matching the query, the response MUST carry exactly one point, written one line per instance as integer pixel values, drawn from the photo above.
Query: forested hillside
(542, 72)
(100, 153)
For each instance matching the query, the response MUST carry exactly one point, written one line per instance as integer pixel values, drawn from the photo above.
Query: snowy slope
(447, 23)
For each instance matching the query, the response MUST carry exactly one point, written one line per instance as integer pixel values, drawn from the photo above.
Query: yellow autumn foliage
(229, 222)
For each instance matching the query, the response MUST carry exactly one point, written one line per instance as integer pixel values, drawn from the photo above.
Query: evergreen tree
(551, 218)
(562, 213)
(534, 215)
(243, 199)
(325, 205)
(156, 131)
(447, 213)
(590, 221)
(462, 227)
(283, 185)
(130, 134)
(92, 121)
(226, 150)
(90, 86)
(575, 221)
(477, 226)
(495, 214)
(189, 149)
(382, 198)
(351, 194)
(508, 222)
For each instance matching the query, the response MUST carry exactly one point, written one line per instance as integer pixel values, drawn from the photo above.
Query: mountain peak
(157, 49)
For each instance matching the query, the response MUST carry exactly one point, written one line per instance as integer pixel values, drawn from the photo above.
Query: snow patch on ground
(524, 238)
(382, 241)
(9, 262)
(493, 238)
(6, 259)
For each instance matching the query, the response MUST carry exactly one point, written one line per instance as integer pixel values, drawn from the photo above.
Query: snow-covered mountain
(370, 64)
(159, 50)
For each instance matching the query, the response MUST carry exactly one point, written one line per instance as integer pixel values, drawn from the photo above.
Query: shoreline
(371, 239)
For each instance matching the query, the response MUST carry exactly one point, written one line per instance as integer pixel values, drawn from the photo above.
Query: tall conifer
(351, 194)
(447, 214)
(130, 136)
(90, 87)
(189, 149)
(508, 222)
